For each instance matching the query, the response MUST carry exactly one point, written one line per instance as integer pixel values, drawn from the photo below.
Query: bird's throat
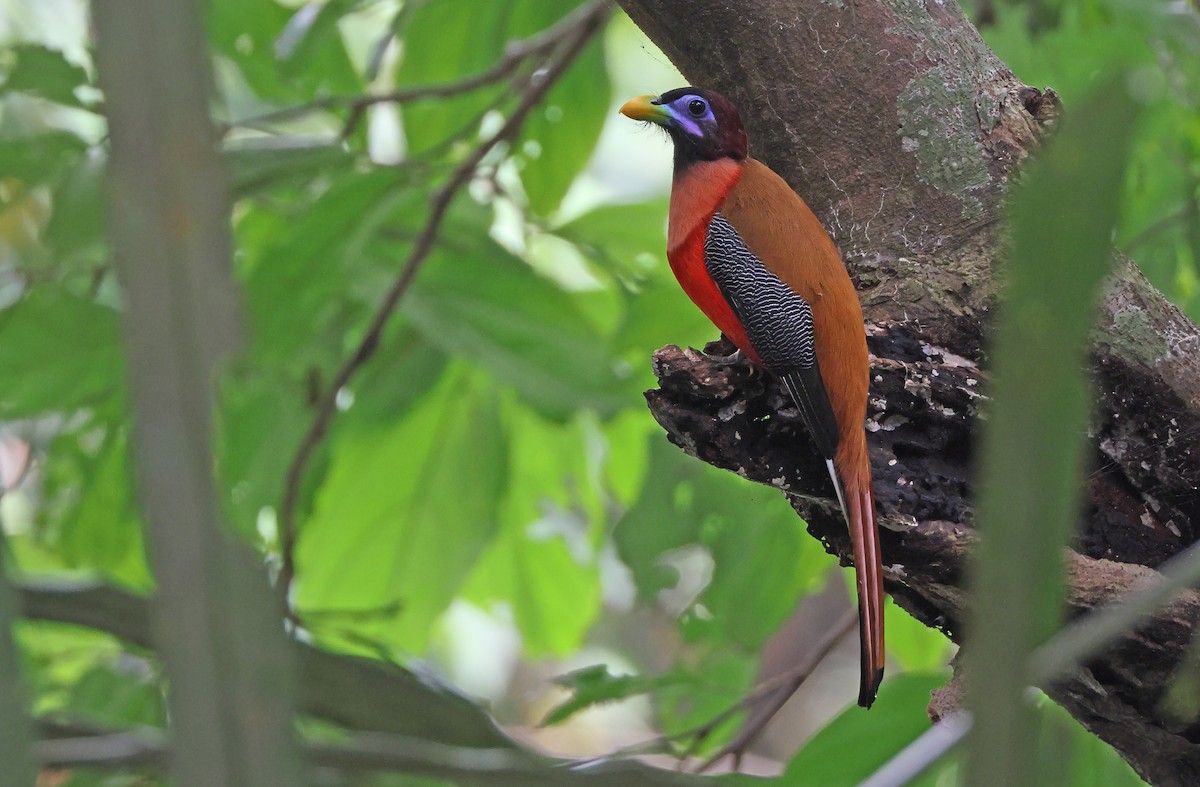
(696, 193)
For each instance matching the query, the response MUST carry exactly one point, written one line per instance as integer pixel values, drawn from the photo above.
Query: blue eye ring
(697, 108)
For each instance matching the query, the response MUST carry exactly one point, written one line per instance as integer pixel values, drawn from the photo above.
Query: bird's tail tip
(869, 576)
(868, 686)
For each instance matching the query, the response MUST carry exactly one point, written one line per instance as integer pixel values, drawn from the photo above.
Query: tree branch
(516, 54)
(566, 41)
(400, 721)
(905, 153)
(928, 405)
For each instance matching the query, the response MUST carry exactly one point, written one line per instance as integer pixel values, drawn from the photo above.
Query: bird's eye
(697, 108)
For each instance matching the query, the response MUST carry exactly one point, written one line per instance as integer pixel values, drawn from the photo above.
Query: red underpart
(695, 197)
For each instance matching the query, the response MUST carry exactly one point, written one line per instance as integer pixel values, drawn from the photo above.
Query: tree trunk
(901, 129)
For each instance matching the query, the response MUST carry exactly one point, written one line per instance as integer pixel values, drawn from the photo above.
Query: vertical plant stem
(1033, 443)
(168, 214)
(16, 759)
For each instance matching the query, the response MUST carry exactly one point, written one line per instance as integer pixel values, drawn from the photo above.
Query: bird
(755, 259)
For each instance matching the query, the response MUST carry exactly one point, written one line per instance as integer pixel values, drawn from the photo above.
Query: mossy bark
(902, 131)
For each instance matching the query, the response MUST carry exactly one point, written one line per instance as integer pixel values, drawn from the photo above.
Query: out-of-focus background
(492, 502)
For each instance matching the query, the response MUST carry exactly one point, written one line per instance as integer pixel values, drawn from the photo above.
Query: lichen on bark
(831, 93)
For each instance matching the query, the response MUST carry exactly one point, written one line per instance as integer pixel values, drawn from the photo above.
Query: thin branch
(775, 693)
(915, 758)
(371, 751)
(355, 693)
(113, 750)
(568, 40)
(515, 55)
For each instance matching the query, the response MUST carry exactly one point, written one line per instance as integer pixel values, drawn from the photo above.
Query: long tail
(858, 506)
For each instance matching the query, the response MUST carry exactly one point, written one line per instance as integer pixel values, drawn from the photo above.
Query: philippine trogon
(751, 254)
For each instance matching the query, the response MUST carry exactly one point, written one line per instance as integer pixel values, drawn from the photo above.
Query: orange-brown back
(782, 232)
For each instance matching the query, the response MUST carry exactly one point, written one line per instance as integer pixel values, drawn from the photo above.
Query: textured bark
(901, 130)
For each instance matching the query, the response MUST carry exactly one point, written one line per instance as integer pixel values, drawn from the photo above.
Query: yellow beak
(640, 108)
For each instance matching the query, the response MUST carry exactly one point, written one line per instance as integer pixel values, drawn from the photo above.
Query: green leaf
(440, 49)
(260, 424)
(723, 677)
(595, 685)
(75, 233)
(403, 516)
(1067, 754)
(45, 73)
(259, 163)
(58, 352)
(553, 594)
(914, 645)
(39, 158)
(57, 657)
(116, 697)
(402, 371)
(661, 520)
(491, 308)
(247, 35)
(563, 131)
(856, 743)
(543, 564)
(97, 522)
(308, 28)
(762, 558)
(299, 274)
(628, 240)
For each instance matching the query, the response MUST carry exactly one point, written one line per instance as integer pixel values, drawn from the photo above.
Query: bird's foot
(732, 359)
(712, 353)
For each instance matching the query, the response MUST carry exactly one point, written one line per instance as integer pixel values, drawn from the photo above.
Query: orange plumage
(714, 174)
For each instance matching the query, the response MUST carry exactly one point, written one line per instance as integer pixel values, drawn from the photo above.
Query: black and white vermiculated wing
(779, 324)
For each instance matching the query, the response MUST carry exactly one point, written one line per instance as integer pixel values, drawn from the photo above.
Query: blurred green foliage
(496, 451)
(1066, 44)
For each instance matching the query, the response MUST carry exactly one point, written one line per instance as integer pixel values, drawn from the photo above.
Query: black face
(704, 125)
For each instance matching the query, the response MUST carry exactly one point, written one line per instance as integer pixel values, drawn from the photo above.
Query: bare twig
(516, 54)
(772, 695)
(775, 691)
(565, 41)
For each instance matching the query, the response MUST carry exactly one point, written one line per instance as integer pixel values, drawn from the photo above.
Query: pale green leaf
(246, 33)
(58, 352)
(493, 309)
(544, 564)
(559, 136)
(857, 742)
(403, 515)
(595, 685)
(46, 73)
(92, 519)
(912, 644)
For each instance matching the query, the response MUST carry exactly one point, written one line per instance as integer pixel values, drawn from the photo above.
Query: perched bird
(758, 263)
